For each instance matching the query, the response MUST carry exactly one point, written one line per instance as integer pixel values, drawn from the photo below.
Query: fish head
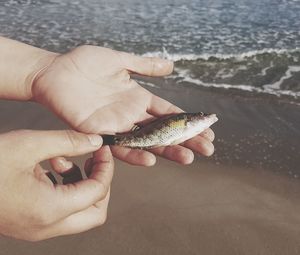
(200, 120)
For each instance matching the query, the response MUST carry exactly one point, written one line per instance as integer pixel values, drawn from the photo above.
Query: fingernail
(190, 158)
(151, 160)
(95, 140)
(64, 164)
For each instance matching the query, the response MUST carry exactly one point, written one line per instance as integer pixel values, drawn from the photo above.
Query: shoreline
(169, 84)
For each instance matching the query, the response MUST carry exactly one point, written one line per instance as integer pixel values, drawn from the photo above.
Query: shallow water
(248, 45)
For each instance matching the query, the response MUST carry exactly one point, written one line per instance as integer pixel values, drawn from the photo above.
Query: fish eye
(201, 113)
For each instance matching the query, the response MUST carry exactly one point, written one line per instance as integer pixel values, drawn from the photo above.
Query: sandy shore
(243, 200)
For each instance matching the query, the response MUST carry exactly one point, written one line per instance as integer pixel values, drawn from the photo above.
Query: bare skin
(32, 207)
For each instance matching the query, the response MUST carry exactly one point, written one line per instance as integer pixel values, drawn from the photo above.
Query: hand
(90, 88)
(32, 207)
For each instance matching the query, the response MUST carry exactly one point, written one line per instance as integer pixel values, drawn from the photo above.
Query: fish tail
(109, 139)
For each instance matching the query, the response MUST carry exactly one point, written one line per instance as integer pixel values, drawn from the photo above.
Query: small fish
(168, 130)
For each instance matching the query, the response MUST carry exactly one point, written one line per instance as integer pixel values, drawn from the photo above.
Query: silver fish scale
(159, 137)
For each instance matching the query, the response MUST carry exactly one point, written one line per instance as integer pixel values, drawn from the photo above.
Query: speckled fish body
(168, 130)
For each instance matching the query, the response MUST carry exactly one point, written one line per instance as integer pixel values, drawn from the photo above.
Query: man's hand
(32, 207)
(91, 89)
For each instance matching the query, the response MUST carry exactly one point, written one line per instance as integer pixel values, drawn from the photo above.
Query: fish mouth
(213, 117)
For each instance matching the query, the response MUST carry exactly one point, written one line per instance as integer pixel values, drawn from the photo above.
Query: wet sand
(243, 200)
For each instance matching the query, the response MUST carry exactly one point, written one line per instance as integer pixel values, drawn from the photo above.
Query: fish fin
(109, 139)
(135, 128)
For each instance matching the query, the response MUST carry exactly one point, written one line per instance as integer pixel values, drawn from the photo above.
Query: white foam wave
(205, 56)
(288, 74)
(271, 89)
(264, 71)
(224, 73)
(274, 88)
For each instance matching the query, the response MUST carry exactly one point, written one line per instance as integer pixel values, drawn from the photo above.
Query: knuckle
(102, 218)
(124, 73)
(124, 76)
(101, 189)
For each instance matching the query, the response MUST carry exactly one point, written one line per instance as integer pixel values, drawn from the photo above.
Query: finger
(133, 156)
(200, 145)
(68, 170)
(51, 177)
(175, 153)
(78, 222)
(43, 175)
(60, 164)
(88, 166)
(72, 175)
(42, 145)
(149, 66)
(158, 107)
(102, 155)
(208, 134)
(78, 196)
(38, 171)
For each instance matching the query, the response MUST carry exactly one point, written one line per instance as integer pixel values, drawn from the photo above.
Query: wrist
(18, 66)
(40, 65)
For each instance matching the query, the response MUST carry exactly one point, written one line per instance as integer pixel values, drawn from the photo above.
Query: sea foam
(206, 56)
(268, 71)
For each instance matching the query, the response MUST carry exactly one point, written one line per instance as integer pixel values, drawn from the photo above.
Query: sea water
(246, 45)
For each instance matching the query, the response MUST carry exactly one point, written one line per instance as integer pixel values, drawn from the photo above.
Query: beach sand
(243, 200)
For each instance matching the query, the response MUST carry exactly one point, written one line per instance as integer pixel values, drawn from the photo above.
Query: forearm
(19, 64)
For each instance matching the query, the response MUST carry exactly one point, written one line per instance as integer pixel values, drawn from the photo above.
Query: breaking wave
(271, 71)
(206, 56)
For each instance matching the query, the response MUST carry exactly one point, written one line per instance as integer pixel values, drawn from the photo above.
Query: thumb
(41, 145)
(149, 66)
(72, 198)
